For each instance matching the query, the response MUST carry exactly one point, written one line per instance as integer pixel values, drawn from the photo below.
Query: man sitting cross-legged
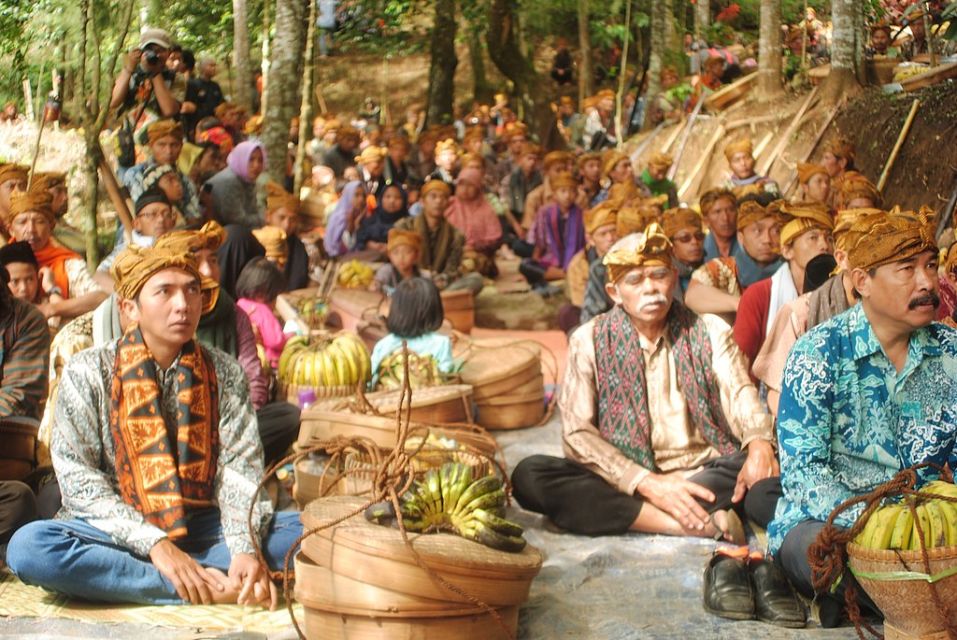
(662, 429)
(157, 452)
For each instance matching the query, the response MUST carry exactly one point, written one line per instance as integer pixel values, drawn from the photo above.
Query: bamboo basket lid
(377, 555)
(388, 401)
(319, 588)
(323, 625)
(487, 365)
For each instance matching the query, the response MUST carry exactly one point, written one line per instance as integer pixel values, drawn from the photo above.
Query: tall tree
(661, 19)
(443, 63)
(482, 89)
(283, 83)
(529, 86)
(769, 50)
(846, 48)
(585, 78)
(305, 109)
(92, 107)
(242, 94)
(702, 16)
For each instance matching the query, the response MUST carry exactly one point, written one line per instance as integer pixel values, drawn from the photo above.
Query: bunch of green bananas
(423, 371)
(355, 275)
(341, 360)
(893, 526)
(449, 499)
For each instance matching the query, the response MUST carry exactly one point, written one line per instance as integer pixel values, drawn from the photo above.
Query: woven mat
(23, 601)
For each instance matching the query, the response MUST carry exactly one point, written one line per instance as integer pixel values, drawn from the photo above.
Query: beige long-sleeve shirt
(676, 443)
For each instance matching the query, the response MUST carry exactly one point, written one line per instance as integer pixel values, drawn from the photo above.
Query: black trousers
(791, 558)
(582, 502)
(278, 429)
(18, 506)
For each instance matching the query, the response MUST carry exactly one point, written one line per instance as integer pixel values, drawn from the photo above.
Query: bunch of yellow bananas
(894, 527)
(340, 361)
(449, 499)
(355, 275)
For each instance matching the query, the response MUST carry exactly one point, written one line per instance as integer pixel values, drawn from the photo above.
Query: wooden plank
(703, 160)
(673, 171)
(671, 138)
(728, 95)
(939, 74)
(783, 141)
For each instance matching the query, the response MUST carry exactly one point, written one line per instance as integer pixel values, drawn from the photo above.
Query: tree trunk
(264, 65)
(305, 109)
(585, 76)
(769, 56)
(443, 63)
(482, 90)
(530, 87)
(845, 49)
(89, 199)
(242, 95)
(702, 16)
(283, 85)
(660, 25)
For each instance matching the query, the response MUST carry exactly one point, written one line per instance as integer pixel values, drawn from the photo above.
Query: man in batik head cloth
(856, 192)
(866, 394)
(601, 231)
(655, 177)
(683, 228)
(744, 180)
(158, 461)
(814, 184)
(677, 464)
(838, 160)
(13, 177)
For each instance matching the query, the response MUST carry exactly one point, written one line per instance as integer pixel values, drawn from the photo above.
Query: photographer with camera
(142, 91)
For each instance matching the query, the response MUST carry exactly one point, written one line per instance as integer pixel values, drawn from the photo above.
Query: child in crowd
(744, 181)
(415, 316)
(165, 178)
(257, 288)
(558, 235)
(403, 248)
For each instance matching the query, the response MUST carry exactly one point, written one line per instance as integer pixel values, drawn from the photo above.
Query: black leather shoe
(774, 600)
(727, 588)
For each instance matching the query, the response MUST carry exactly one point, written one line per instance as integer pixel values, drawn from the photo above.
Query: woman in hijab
(234, 188)
(343, 224)
(374, 230)
(470, 213)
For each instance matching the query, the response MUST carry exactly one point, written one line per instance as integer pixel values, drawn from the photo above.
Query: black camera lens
(151, 56)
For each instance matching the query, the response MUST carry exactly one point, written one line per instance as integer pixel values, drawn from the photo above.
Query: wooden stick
(769, 162)
(28, 98)
(36, 153)
(758, 150)
(116, 195)
(671, 138)
(647, 141)
(673, 171)
(736, 124)
(817, 140)
(897, 146)
(703, 160)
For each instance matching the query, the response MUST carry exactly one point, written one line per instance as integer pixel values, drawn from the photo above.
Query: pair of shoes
(744, 589)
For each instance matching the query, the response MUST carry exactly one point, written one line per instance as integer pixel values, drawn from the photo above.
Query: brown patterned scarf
(163, 472)
(434, 256)
(623, 417)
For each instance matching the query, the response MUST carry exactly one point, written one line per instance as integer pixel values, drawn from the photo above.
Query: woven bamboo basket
(319, 588)
(512, 411)
(18, 449)
(493, 371)
(313, 482)
(328, 420)
(459, 309)
(376, 555)
(325, 625)
(898, 585)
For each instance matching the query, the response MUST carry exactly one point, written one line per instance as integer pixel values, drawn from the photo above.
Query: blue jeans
(77, 559)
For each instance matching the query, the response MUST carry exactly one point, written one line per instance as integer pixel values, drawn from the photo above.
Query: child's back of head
(416, 309)
(260, 280)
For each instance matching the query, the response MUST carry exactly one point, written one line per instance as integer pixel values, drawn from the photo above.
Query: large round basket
(496, 370)
(512, 411)
(313, 481)
(376, 555)
(18, 451)
(325, 625)
(459, 309)
(898, 585)
(329, 420)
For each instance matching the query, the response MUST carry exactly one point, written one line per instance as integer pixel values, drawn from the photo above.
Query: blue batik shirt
(847, 421)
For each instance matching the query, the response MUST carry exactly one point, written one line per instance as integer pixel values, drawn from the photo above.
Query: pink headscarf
(238, 159)
(470, 175)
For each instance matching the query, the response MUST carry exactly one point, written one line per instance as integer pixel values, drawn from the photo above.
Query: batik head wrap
(600, 215)
(807, 170)
(610, 160)
(273, 240)
(855, 186)
(891, 237)
(673, 221)
(13, 171)
(843, 223)
(399, 237)
(743, 145)
(660, 161)
(651, 247)
(135, 265)
(553, 158)
(162, 128)
(278, 198)
(801, 218)
(37, 200)
(750, 212)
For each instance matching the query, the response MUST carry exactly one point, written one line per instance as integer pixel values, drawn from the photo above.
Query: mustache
(653, 298)
(928, 298)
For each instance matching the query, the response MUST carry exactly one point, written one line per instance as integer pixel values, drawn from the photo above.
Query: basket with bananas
(329, 365)
(355, 275)
(450, 500)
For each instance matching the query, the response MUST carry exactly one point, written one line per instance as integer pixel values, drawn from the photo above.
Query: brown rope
(827, 555)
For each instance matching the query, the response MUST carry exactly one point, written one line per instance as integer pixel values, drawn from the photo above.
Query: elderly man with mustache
(867, 393)
(662, 429)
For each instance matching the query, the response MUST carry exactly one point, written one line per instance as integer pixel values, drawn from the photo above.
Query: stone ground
(613, 588)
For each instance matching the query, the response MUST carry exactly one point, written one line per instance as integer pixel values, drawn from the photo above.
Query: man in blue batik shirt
(866, 394)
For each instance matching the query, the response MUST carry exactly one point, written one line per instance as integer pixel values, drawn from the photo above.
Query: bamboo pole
(673, 171)
(897, 146)
(769, 162)
(703, 160)
(758, 150)
(672, 137)
(120, 203)
(646, 142)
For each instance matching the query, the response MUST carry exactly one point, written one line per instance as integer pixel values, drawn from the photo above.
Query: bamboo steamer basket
(319, 588)
(896, 582)
(329, 420)
(313, 482)
(512, 411)
(376, 554)
(18, 453)
(325, 625)
(496, 370)
(459, 309)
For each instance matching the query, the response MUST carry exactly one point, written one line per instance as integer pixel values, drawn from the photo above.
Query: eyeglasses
(688, 237)
(155, 215)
